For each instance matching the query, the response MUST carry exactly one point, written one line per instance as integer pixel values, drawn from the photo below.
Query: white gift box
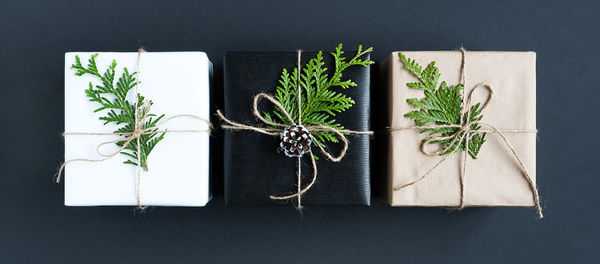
(178, 167)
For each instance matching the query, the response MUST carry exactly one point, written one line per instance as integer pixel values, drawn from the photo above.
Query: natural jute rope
(276, 132)
(140, 117)
(463, 133)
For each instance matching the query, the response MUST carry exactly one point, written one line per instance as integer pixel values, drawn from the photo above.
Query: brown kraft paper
(495, 177)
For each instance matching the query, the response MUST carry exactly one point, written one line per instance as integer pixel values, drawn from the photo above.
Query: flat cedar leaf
(112, 97)
(418, 86)
(442, 105)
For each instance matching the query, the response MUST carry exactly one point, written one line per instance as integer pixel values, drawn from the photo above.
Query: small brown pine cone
(295, 141)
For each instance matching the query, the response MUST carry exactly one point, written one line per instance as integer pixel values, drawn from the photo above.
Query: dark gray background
(36, 228)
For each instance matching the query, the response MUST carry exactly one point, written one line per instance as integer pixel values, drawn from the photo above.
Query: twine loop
(464, 128)
(140, 116)
(278, 128)
(464, 132)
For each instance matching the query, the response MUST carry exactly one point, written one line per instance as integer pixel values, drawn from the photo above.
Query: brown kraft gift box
(495, 178)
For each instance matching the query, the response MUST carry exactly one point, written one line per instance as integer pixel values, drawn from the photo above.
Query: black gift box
(253, 167)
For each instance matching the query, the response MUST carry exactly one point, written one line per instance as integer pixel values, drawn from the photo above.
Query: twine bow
(464, 132)
(340, 134)
(140, 115)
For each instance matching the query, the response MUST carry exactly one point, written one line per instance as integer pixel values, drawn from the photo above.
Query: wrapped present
(150, 150)
(258, 168)
(442, 103)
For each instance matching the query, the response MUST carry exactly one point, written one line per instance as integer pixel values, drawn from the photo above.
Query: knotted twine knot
(280, 128)
(464, 132)
(140, 114)
(137, 133)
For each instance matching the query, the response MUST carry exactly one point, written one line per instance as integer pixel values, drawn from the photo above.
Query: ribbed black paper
(253, 168)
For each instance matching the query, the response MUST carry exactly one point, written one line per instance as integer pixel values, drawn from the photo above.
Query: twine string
(299, 97)
(339, 133)
(464, 132)
(137, 132)
(140, 116)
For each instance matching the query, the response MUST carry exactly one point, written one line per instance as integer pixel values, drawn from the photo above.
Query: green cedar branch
(111, 98)
(441, 106)
(320, 103)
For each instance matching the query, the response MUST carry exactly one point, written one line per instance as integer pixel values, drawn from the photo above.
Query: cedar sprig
(320, 103)
(112, 98)
(441, 106)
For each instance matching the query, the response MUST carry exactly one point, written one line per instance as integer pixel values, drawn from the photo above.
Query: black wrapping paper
(254, 170)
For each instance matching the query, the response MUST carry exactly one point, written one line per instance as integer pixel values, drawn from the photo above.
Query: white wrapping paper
(178, 175)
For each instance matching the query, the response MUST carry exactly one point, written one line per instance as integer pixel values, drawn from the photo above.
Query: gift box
(177, 167)
(495, 177)
(254, 169)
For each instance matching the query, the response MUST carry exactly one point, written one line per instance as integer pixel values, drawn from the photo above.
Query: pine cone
(295, 141)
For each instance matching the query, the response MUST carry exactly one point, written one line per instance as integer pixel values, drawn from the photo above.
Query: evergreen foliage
(111, 98)
(441, 106)
(320, 102)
